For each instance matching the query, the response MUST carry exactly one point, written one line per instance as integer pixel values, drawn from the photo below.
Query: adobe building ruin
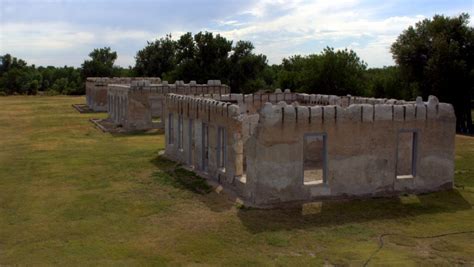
(96, 89)
(135, 106)
(288, 147)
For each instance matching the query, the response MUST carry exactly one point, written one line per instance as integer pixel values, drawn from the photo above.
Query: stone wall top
(323, 108)
(118, 86)
(200, 106)
(121, 80)
(389, 111)
(179, 87)
(304, 99)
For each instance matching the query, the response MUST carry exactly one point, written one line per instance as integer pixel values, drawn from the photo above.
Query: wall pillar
(237, 147)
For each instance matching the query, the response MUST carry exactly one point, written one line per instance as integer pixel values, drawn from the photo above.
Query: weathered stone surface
(134, 106)
(96, 89)
(383, 112)
(265, 149)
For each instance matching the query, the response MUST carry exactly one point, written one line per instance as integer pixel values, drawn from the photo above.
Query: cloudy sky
(63, 32)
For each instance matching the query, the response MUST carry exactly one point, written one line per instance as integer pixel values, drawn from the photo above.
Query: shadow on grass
(315, 214)
(333, 213)
(173, 174)
(138, 133)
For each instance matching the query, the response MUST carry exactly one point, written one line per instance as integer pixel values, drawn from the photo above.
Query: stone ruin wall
(362, 139)
(187, 148)
(96, 89)
(362, 143)
(135, 106)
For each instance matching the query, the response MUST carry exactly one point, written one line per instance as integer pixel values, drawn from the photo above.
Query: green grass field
(72, 195)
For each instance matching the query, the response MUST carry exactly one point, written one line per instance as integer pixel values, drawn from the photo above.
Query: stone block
(316, 114)
(367, 112)
(383, 112)
(329, 114)
(398, 113)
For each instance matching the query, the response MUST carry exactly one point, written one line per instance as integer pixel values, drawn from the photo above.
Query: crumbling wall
(118, 103)
(137, 104)
(190, 115)
(265, 155)
(96, 89)
(252, 103)
(362, 143)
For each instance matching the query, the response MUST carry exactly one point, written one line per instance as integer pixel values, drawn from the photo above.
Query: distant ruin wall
(96, 89)
(134, 106)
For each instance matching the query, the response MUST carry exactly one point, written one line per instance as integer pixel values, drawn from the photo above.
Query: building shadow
(153, 132)
(313, 214)
(173, 174)
(338, 212)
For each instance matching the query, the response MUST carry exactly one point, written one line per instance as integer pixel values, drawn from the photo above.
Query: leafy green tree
(388, 82)
(212, 55)
(20, 81)
(270, 75)
(123, 72)
(187, 67)
(246, 74)
(290, 74)
(74, 82)
(7, 62)
(338, 72)
(157, 58)
(101, 63)
(202, 57)
(437, 57)
(61, 85)
(16, 77)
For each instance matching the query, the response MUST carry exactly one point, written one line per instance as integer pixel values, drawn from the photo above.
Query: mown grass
(70, 194)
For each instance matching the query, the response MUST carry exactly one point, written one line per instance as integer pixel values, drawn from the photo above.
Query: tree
(187, 67)
(157, 58)
(291, 70)
(101, 63)
(330, 72)
(246, 74)
(7, 62)
(62, 80)
(16, 77)
(388, 82)
(202, 57)
(437, 57)
(212, 55)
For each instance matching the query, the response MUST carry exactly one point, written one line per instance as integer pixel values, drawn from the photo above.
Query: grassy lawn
(70, 194)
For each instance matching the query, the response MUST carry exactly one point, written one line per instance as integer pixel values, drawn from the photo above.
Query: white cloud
(114, 36)
(47, 36)
(39, 42)
(41, 36)
(328, 21)
(278, 28)
(377, 52)
(125, 60)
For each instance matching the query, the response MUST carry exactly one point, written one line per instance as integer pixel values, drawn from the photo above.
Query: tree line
(433, 57)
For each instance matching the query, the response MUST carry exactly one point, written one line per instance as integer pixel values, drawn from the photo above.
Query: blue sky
(63, 32)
